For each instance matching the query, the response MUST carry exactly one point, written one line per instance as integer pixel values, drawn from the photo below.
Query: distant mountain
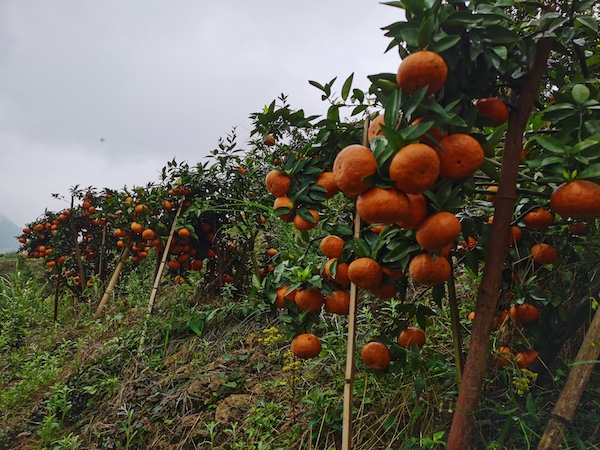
(8, 231)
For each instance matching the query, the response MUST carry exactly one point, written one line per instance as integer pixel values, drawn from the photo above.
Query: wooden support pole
(113, 281)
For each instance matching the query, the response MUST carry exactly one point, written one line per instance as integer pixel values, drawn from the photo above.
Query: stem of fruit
(161, 268)
(455, 324)
(487, 298)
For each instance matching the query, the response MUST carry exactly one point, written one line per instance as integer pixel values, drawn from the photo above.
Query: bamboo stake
(455, 324)
(158, 276)
(56, 292)
(350, 352)
(113, 281)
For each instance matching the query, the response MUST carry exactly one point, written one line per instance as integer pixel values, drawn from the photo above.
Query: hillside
(8, 231)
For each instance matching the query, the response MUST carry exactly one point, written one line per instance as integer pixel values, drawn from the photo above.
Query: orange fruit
(196, 264)
(515, 234)
(38, 227)
(302, 224)
(331, 246)
(420, 69)
(341, 272)
(384, 291)
(526, 357)
(309, 299)
(493, 109)
(338, 303)
(306, 346)
(460, 155)
(471, 316)
(137, 227)
(327, 181)
(438, 230)
(394, 274)
(538, 219)
(284, 202)
(240, 170)
(544, 254)
(505, 356)
(579, 199)
(269, 140)
(579, 228)
(184, 233)
(148, 234)
(139, 209)
(424, 270)
(410, 336)
(524, 313)
(278, 183)
(375, 127)
(284, 292)
(491, 197)
(378, 205)
(272, 252)
(415, 168)
(433, 136)
(417, 212)
(376, 355)
(167, 205)
(174, 264)
(351, 166)
(366, 273)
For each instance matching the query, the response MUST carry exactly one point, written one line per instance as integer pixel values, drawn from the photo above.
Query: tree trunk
(476, 363)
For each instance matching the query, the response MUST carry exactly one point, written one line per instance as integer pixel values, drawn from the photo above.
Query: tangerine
(303, 224)
(579, 199)
(327, 181)
(425, 270)
(184, 233)
(284, 202)
(306, 345)
(410, 336)
(524, 313)
(378, 205)
(538, 219)
(415, 168)
(269, 140)
(338, 303)
(376, 355)
(148, 234)
(460, 155)
(417, 212)
(375, 127)
(438, 230)
(544, 254)
(366, 273)
(579, 228)
(331, 246)
(420, 69)
(431, 137)
(526, 357)
(493, 109)
(309, 299)
(282, 293)
(278, 183)
(341, 272)
(505, 356)
(351, 166)
(515, 234)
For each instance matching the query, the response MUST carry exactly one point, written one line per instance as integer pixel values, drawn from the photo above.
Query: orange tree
(462, 103)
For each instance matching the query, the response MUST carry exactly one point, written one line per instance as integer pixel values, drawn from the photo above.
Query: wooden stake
(350, 353)
(113, 281)
(157, 278)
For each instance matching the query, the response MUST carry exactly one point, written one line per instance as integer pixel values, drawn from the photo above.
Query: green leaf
(590, 172)
(391, 108)
(588, 22)
(551, 144)
(445, 43)
(317, 85)
(360, 247)
(358, 109)
(425, 32)
(580, 93)
(196, 324)
(346, 87)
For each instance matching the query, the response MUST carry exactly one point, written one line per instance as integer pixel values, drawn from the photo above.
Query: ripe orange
(366, 273)
(272, 252)
(284, 202)
(327, 181)
(302, 224)
(196, 264)
(415, 168)
(137, 227)
(505, 356)
(493, 109)
(526, 357)
(38, 227)
(384, 291)
(309, 299)
(167, 205)
(435, 133)
(438, 230)
(174, 264)
(417, 212)
(378, 205)
(351, 166)
(278, 183)
(331, 246)
(341, 272)
(375, 127)
(460, 155)
(515, 234)
(184, 233)
(270, 140)
(148, 234)
(282, 294)
(376, 355)
(524, 313)
(579, 228)
(306, 346)
(140, 208)
(491, 197)
(538, 219)
(420, 69)
(410, 336)
(394, 274)
(579, 199)
(424, 270)
(338, 303)
(240, 170)
(544, 254)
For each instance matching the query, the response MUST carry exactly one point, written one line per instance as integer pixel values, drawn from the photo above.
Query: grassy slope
(82, 384)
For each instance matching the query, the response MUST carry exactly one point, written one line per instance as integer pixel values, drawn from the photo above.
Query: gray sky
(159, 80)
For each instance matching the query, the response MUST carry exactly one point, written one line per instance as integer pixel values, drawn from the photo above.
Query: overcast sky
(157, 80)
